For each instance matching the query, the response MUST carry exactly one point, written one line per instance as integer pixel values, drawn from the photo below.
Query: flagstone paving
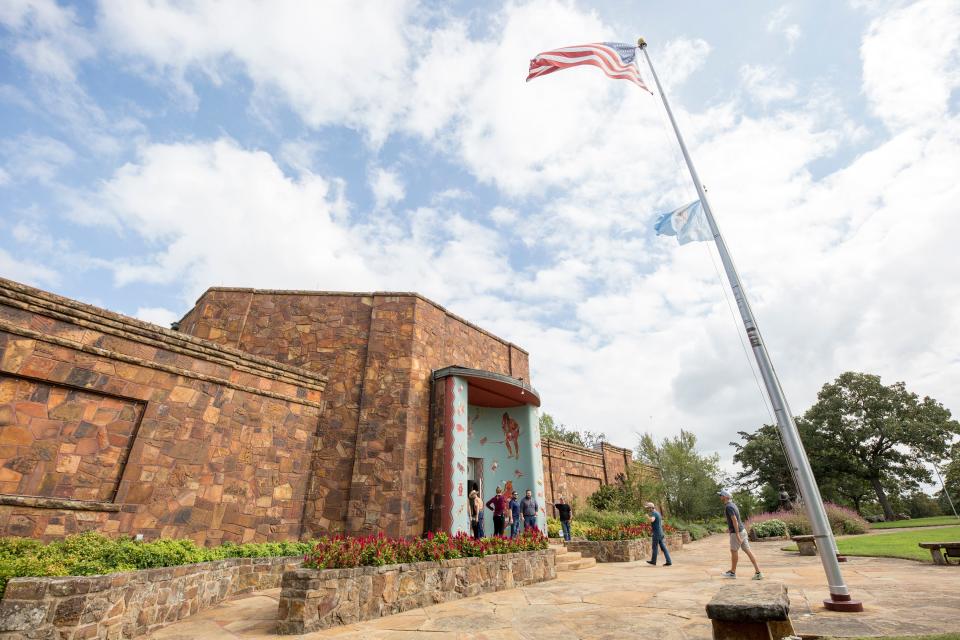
(614, 601)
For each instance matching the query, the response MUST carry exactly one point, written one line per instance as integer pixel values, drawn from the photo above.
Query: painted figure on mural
(511, 434)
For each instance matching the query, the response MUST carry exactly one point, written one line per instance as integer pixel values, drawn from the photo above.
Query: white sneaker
(728, 574)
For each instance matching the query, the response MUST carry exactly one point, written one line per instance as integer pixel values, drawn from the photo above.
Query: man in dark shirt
(566, 514)
(738, 536)
(529, 508)
(499, 505)
(657, 535)
(515, 515)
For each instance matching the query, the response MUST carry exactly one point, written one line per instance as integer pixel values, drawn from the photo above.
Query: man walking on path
(515, 520)
(738, 536)
(499, 505)
(566, 514)
(529, 508)
(656, 536)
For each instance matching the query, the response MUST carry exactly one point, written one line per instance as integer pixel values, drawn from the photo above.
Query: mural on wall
(508, 442)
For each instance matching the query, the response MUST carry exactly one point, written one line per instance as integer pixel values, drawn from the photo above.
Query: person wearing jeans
(565, 513)
(529, 508)
(499, 505)
(515, 520)
(657, 535)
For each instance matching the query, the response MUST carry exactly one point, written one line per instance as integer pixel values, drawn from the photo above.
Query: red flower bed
(625, 532)
(341, 552)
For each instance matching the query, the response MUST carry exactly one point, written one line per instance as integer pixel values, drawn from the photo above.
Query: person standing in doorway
(499, 505)
(738, 536)
(529, 508)
(472, 504)
(565, 513)
(515, 518)
(656, 535)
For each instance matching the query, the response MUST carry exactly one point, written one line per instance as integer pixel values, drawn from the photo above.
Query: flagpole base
(842, 604)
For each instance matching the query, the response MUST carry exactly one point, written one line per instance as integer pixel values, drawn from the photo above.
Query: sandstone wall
(378, 351)
(117, 425)
(311, 600)
(575, 472)
(622, 550)
(132, 604)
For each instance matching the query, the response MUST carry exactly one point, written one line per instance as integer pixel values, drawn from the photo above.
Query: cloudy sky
(150, 149)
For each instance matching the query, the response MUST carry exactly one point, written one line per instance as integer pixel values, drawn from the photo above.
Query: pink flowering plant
(340, 552)
(843, 521)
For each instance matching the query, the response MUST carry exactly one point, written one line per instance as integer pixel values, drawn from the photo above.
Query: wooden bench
(751, 611)
(806, 544)
(943, 551)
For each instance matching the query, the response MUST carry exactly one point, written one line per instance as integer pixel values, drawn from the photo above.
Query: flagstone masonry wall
(378, 351)
(313, 599)
(131, 604)
(116, 425)
(622, 550)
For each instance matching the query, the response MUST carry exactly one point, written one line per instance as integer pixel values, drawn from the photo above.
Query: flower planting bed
(130, 604)
(334, 587)
(625, 550)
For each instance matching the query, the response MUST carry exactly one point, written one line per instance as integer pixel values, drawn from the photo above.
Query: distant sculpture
(785, 503)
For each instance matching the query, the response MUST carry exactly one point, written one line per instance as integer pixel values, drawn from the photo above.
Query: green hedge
(88, 554)
(770, 528)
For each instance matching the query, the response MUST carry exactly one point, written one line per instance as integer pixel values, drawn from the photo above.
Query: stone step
(569, 556)
(576, 565)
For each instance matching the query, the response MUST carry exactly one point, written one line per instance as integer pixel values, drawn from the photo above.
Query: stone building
(265, 415)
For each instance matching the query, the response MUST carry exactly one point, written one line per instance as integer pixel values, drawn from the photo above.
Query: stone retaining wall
(313, 599)
(128, 605)
(621, 550)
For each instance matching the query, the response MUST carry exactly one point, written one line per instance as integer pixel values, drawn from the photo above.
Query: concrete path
(615, 601)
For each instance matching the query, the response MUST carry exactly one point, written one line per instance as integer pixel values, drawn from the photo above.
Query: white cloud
(46, 37)
(26, 271)
(779, 23)
(387, 187)
(764, 84)
(503, 216)
(911, 62)
(338, 62)
(4, 177)
(157, 315)
(30, 157)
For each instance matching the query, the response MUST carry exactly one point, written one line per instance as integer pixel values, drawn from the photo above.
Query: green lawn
(919, 522)
(899, 544)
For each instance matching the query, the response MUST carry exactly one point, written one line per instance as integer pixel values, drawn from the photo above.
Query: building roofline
(359, 294)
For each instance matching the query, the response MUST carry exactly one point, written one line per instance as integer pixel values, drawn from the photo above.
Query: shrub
(94, 554)
(341, 552)
(771, 528)
(843, 521)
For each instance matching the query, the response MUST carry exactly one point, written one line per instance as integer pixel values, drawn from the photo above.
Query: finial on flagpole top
(641, 43)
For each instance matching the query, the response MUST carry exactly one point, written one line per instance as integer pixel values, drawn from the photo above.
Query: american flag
(616, 59)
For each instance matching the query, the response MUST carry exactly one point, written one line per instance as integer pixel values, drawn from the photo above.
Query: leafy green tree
(581, 437)
(881, 433)
(690, 479)
(640, 484)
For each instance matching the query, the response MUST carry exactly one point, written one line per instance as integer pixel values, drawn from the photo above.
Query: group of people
(509, 513)
(735, 527)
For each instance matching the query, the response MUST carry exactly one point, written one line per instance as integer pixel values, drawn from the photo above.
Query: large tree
(582, 437)
(690, 479)
(880, 434)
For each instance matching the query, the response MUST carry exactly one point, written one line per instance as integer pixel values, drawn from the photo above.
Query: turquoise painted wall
(507, 464)
(460, 515)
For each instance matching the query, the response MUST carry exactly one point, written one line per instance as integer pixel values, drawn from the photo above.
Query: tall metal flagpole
(840, 599)
(945, 492)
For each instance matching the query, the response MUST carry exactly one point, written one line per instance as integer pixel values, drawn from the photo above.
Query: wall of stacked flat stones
(378, 352)
(128, 605)
(311, 600)
(115, 425)
(621, 550)
(323, 333)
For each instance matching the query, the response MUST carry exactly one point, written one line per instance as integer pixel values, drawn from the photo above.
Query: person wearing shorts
(738, 537)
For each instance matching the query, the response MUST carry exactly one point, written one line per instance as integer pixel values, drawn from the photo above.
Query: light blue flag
(688, 223)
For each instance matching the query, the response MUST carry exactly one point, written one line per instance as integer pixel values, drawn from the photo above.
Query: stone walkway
(614, 601)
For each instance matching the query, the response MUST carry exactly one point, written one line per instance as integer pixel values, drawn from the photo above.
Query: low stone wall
(621, 550)
(127, 605)
(317, 599)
